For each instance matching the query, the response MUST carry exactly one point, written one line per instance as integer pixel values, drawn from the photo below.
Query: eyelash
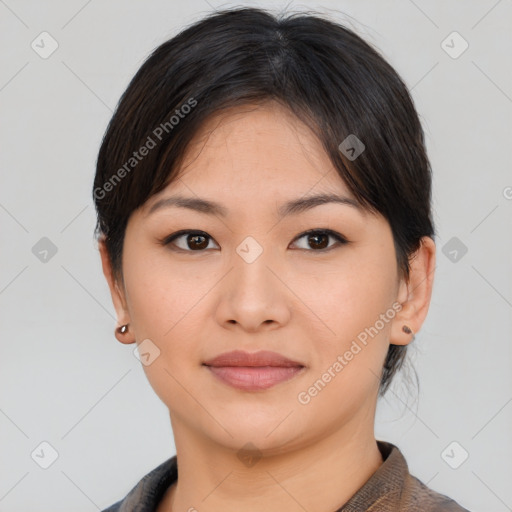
(168, 240)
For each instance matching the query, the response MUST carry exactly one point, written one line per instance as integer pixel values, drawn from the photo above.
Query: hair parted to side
(322, 72)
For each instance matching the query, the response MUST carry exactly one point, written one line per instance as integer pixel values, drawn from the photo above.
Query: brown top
(390, 489)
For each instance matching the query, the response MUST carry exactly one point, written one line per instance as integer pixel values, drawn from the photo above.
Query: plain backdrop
(66, 382)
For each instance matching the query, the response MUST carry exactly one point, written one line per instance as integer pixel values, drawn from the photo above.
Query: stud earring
(406, 329)
(123, 329)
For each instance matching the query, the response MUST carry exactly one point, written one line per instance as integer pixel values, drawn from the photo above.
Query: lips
(262, 358)
(253, 372)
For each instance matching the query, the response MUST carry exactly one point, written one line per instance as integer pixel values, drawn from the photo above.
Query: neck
(212, 477)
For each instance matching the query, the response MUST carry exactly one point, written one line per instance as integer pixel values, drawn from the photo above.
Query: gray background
(66, 380)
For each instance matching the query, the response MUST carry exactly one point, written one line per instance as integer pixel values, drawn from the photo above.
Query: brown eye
(197, 242)
(190, 241)
(318, 239)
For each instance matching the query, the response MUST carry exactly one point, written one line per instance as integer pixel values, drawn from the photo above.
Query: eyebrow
(290, 208)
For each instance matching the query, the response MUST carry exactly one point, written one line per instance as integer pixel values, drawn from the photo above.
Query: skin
(302, 301)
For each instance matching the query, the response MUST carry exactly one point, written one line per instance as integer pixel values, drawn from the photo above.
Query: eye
(319, 239)
(198, 241)
(193, 241)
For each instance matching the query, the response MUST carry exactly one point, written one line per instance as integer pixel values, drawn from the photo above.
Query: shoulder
(393, 489)
(411, 493)
(148, 492)
(417, 496)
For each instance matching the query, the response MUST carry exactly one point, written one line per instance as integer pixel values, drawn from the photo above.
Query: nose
(253, 296)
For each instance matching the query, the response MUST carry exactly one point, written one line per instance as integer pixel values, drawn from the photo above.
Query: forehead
(259, 146)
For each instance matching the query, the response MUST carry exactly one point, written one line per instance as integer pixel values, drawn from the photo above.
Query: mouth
(253, 371)
(254, 378)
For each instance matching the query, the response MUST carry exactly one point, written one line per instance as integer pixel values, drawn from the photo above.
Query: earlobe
(414, 294)
(122, 332)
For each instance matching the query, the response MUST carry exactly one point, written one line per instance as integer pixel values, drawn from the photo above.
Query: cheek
(355, 304)
(160, 295)
(161, 303)
(348, 355)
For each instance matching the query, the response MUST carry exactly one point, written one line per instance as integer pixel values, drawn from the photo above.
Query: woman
(263, 198)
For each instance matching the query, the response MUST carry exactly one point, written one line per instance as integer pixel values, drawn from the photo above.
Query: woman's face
(254, 282)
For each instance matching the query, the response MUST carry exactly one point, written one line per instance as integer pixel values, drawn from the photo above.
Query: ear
(414, 295)
(118, 295)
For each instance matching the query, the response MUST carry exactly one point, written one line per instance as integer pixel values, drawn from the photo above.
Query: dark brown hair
(324, 73)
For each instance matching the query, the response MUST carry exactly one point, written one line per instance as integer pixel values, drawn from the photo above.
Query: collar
(391, 488)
